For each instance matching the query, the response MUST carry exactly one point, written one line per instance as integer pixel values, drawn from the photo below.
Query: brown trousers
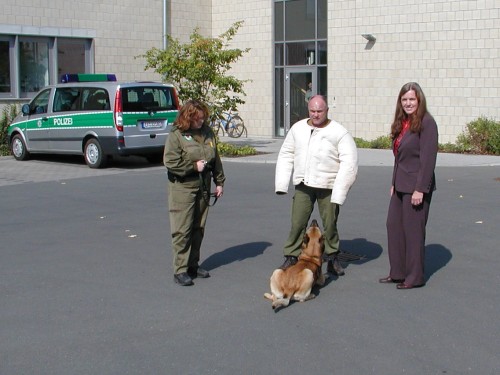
(406, 237)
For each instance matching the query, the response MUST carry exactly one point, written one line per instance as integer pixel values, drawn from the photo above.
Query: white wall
(451, 48)
(256, 65)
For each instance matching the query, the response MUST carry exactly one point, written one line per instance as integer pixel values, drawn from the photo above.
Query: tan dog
(296, 282)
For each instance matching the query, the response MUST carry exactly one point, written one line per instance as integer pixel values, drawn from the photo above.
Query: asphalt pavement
(86, 283)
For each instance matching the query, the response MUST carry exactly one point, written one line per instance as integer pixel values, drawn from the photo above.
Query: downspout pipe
(165, 21)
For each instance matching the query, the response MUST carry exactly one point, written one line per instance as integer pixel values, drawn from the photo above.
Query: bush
(9, 112)
(382, 142)
(227, 149)
(361, 143)
(482, 136)
(449, 147)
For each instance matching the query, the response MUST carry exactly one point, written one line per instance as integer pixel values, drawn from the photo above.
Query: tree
(199, 69)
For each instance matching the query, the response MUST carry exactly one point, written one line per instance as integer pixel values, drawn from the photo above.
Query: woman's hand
(200, 165)
(392, 190)
(218, 191)
(417, 198)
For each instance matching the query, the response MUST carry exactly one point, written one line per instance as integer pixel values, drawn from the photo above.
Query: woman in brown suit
(415, 144)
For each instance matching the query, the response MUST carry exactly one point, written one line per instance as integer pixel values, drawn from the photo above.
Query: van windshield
(139, 99)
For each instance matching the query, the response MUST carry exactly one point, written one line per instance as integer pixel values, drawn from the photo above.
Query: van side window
(95, 99)
(66, 99)
(40, 103)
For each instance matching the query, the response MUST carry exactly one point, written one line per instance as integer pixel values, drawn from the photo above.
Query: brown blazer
(415, 161)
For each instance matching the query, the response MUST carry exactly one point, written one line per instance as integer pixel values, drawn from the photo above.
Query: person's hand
(417, 198)
(219, 190)
(200, 165)
(392, 190)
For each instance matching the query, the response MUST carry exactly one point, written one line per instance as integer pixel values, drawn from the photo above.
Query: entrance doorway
(300, 85)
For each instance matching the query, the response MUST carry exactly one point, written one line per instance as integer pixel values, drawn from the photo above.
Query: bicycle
(229, 123)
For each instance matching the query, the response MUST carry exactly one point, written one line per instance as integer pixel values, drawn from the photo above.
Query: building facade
(356, 52)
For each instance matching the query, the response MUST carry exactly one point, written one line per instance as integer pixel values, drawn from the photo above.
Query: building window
(71, 55)
(5, 67)
(33, 65)
(300, 47)
(27, 64)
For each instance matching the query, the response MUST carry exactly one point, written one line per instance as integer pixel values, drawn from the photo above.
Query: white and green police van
(95, 116)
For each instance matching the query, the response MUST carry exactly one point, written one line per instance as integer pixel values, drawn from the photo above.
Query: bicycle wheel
(236, 127)
(217, 127)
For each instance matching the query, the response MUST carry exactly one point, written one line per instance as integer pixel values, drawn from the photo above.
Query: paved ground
(86, 280)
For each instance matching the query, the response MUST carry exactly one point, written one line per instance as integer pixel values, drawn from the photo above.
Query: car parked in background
(96, 116)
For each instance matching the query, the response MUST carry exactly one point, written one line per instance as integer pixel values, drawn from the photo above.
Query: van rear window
(140, 99)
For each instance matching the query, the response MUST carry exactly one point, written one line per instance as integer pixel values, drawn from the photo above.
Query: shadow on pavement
(436, 257)
(235, 253)
(362, 250)
(118, 162)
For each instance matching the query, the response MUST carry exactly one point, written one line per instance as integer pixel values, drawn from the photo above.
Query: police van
(96, 116)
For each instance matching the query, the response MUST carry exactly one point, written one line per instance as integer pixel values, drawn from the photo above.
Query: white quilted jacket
(324, 158)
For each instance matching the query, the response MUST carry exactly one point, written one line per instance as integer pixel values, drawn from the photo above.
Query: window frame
(53, 75)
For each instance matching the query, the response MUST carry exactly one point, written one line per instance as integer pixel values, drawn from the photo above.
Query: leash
(205, 189)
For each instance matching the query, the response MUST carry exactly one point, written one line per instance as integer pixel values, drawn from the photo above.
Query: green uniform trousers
(302, 208)
(188, 215)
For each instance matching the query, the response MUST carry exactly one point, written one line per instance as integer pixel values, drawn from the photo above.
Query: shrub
(382, 142)
(482, 136)
(8, 113)
(361, 143)
(227, 149)
(449, 147)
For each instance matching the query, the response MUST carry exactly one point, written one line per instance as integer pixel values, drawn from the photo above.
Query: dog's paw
(268, 296)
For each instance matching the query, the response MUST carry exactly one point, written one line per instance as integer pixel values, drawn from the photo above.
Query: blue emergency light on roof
(66, 78)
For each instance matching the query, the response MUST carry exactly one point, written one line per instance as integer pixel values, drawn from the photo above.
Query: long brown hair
(189, 112)
(400, 115)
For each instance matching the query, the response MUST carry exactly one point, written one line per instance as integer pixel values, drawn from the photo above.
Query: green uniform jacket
(184, 149)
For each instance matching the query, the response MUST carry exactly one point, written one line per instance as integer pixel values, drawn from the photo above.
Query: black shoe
(290, 260)
(334, 267)
(194, 272)
(183, 279)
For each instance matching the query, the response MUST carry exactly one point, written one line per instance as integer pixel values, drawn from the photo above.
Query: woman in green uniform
(192, 161)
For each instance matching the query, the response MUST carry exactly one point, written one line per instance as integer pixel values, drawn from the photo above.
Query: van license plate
(152, 124)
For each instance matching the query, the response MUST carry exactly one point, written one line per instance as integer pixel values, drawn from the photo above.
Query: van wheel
(18, 148)
(93, 154)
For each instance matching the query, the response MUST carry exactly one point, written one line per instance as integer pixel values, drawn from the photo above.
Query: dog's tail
(277, 302)
(280, 302)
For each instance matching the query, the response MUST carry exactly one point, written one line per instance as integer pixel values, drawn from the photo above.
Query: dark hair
(400, 115)
(188, 112)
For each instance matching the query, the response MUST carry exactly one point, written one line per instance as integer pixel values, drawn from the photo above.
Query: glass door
(300, 85)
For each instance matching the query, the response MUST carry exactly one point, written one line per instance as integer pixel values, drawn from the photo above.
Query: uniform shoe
(194, 272)
(290, 260)
(334, 267)
(183, 279)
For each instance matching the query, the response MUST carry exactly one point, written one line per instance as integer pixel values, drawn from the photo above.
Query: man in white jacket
(324, 160)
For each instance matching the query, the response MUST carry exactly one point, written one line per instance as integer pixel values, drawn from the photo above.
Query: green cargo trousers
(188, 215)
(302, 208)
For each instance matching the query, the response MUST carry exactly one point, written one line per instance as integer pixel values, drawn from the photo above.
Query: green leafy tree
(199, 69)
